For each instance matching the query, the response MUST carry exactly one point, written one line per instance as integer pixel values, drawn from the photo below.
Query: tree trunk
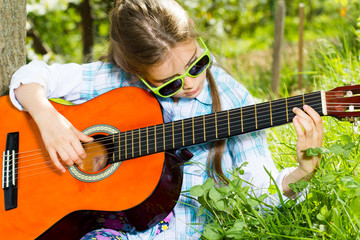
(87, 30)
(12, 40)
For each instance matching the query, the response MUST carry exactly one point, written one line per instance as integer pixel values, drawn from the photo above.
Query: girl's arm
(59, 136)
(30, 87)
(309, 129)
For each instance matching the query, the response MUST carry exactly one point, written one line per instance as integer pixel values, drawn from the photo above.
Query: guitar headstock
(344, 102)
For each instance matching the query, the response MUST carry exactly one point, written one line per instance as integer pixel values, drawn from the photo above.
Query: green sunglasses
(174, 85)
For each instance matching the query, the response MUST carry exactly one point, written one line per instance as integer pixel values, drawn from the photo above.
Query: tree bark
(87, 30)
(12, 40)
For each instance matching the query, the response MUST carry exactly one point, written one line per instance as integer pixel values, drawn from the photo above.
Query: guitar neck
(211, 127)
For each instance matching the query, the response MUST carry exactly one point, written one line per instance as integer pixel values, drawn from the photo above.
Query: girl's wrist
(309, 166)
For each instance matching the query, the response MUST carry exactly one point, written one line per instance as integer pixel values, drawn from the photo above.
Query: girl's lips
(192, 93)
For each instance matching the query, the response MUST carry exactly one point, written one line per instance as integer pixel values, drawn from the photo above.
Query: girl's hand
(309, 129)
(61, 139)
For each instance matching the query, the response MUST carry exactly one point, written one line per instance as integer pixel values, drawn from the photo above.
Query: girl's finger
(55, 160)
(308, 126)
(300, 133)
(302, 114)
(65, 157)
(315, 117)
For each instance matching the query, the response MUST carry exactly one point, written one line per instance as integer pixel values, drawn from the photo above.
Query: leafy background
(241, 34)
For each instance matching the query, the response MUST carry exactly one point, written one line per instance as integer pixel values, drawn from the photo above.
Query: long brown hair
(142, 32)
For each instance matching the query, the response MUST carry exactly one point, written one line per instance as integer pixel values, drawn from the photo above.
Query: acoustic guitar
(134, 168)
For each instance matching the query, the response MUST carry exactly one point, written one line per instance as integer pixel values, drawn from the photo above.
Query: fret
(193, 131)
(155, 137)
(222, 125)
(164, 136)
(198, 131)
(147, 140)
(292, 103)
(249, 122)
(228, 121)
(169, 129)
(265, 118)
(119, 147)
(303, 97)
(140, 142)
(210, 127)
(113, 140)
(279, 111)
(125, 146)
(271, 118)
(132, 142)
(235, 121)
(204, 128)
(173, 134)
(182, 130)
(314, 101)
(216, 127)
(256, 122)
(179, 134)
(287, 110)
(242, 120)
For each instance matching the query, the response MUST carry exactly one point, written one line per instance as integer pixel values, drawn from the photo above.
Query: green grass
(331, 209)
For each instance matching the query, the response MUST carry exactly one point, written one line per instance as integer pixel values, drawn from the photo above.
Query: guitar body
(51, 205)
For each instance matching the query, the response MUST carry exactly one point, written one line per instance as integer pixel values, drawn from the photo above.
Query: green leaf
(310, 152)
(272, 189)
(234, 232)
(349, 146)
(345, 138)
(239, 224)
(209, 183)
(253, 202)
(211, 232)
(347, 153)
(263, 197)
(299, 185)
(197, 191)
(336, 148)
(324, 211)
(220, 205)
(320, 217)
(355, 206)
(322, 150)
(328, 178)
(214, 194)
(201, 210)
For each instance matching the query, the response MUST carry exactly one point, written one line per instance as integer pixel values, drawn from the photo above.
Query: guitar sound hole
(97, 154)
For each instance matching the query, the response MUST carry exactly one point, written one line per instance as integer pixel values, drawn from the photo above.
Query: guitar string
(35, 164)
(186, 123)
(151, 145)
(39, 168)
(274, 103)
(289, 102)
(219, 119)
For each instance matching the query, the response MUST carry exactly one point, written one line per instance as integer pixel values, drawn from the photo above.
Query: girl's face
(179, 59)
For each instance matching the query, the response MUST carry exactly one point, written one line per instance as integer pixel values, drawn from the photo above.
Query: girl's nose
(188, 82)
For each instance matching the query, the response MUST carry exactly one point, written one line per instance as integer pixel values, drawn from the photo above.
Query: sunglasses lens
(200, 66)
(171, 87)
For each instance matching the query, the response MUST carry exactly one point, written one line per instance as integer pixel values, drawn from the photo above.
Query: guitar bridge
(9, 171)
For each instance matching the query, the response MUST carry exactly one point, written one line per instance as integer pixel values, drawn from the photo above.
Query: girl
(153, 45)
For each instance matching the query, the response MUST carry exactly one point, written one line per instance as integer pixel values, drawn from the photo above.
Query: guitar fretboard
(210, 127)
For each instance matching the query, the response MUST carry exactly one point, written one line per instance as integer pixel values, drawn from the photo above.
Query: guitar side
(45, 195)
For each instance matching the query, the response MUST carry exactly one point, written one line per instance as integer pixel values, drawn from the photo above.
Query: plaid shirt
(80, 83)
